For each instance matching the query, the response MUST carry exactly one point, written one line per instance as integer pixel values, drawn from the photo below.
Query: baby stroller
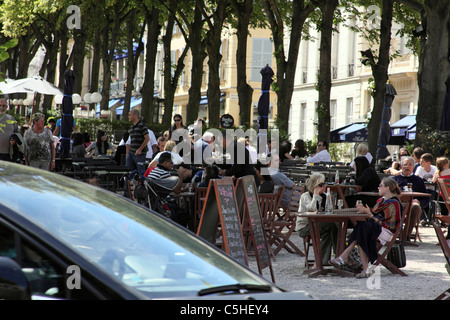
(156, 197)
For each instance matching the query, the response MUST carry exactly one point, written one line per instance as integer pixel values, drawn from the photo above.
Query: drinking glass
(340, 203)
(359, 202)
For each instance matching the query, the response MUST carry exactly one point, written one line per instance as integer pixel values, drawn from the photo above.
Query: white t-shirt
(322, 156)
(425, 175)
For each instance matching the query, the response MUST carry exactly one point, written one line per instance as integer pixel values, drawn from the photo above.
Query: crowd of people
(162, 160)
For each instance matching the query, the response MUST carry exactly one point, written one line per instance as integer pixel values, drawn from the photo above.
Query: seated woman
(100, 146)
(299, 149)
(382, 222)
(368, 179)
(266, 183)
(313, 201)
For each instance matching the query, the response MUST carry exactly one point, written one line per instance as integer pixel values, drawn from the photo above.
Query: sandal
(363, 274)
(336, 262)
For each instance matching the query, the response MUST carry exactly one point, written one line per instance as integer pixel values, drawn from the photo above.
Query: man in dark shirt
(161, 177)
(418, 185)
(137, 149)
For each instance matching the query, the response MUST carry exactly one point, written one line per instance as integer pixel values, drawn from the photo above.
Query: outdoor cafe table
(405, 197)
(341, 218)
(341, 190)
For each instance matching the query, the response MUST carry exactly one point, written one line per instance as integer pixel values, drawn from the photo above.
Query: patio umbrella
(264, 99)
(67, 114)
(445, 118)
(29, 85)
(385, 129)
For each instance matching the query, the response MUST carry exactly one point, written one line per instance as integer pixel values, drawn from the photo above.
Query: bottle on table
(328, 203)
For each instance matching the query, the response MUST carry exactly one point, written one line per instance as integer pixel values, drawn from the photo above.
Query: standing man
(139, 139)
(322, 154)
(8, 126)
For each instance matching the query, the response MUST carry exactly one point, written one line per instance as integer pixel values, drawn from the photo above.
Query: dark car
(64, 239)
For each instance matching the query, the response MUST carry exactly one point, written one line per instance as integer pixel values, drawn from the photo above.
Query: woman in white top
(313, 201)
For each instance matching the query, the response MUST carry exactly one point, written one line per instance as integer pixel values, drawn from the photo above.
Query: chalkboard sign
(247, 198)
(221, 210)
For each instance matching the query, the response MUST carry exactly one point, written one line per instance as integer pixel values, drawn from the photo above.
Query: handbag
(397, 254)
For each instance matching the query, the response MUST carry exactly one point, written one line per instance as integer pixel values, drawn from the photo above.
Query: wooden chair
(294, 203)
(199, 200)
(444, 185)
(278, 231)
(384, 250)
(442, 241)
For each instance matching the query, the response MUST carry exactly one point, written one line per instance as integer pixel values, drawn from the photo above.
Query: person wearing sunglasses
(322, 154)
(9, 127)
(313, 200)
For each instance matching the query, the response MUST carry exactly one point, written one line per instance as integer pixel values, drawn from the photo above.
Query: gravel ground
(427, 276)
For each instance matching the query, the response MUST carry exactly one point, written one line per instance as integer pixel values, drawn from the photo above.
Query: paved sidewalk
(427, 276)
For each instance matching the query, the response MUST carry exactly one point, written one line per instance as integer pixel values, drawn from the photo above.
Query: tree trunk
(96, 59)
(434, 66)
(148, 87)
(170, 85)
(133, 58)
(380, 75)
(324, 81)
(245, 91)
(197, 47)
(78, 54)
(213, 43)
(285, 74)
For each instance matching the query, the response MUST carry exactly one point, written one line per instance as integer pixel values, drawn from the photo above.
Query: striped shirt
(159, 173)
(137, 136)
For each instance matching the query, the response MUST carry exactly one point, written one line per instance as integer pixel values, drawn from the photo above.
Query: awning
(399, 129)
(354, 132)
(411, 133)
(204, 99)
(111, 104)
(133, 103)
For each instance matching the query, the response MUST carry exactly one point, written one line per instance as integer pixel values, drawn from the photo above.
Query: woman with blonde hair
(313, 200)
(176, 158)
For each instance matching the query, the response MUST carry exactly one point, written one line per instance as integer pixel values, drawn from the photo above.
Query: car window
(132, 244)
(46, 277)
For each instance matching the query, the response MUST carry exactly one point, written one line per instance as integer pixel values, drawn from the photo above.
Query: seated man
(322, 154)
(280, 179)
(162, 177)
(418, 185)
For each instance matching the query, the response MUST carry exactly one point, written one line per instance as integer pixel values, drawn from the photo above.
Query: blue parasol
(67, 114)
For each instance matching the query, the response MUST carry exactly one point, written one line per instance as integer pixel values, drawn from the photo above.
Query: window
(46, 276)
(262, 52)
(303, 120)
(349, 110)
(333, 114)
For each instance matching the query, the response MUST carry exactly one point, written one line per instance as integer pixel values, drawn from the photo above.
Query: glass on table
(340, 203)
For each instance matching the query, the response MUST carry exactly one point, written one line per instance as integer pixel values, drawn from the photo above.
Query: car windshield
(129, 242)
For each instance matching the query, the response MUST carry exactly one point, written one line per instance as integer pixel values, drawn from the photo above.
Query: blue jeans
(136, 162)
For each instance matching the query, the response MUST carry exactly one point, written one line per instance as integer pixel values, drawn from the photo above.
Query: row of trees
(110, 26)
